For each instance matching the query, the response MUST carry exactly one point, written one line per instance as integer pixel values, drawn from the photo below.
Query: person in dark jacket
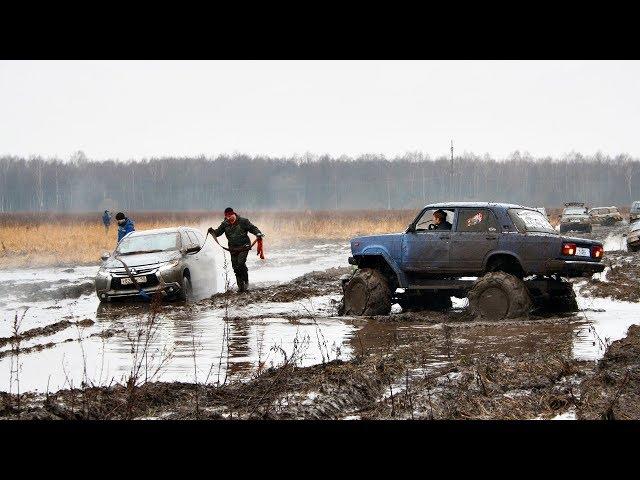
(236, 228)
(106, 220)
(125, 225)
(440, 220)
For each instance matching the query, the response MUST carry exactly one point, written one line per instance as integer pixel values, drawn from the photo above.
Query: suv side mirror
(105, 256)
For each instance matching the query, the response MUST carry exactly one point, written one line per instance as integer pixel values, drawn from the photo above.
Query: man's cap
(228, 210)
(120, 216)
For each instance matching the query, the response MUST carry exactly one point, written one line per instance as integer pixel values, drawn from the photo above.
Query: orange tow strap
(260, 248)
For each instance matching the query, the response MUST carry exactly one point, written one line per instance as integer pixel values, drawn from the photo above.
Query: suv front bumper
(107, 288)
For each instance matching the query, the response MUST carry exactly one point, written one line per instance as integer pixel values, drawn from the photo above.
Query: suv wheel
(499, 295)
(186, 290)
(367, 293)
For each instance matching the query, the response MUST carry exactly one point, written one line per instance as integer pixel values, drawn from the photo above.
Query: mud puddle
(260, 330)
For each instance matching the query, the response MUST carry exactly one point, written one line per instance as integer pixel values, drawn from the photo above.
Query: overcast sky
(137, 109)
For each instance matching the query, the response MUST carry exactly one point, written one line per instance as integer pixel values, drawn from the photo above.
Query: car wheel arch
(503, 256)
(379, 258)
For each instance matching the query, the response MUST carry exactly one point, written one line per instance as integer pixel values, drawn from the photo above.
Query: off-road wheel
(367, 293)
(186, 292)
(499, 295)
(425, 301)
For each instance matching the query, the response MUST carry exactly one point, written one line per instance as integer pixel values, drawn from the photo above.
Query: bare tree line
(311, 182)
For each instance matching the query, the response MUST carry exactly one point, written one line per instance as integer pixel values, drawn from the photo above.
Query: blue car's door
(475, 236)
(425, 250)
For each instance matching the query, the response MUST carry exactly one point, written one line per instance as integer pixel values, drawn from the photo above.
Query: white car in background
(633, 237)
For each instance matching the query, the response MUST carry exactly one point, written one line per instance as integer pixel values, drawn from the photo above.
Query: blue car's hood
(387, 241)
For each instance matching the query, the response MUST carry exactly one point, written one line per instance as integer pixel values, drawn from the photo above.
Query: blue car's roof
(476, 205)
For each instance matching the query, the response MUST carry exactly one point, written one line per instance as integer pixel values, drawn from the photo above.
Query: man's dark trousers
(239, 264)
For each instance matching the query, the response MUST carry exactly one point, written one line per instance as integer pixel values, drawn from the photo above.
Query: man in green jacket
(236, 228)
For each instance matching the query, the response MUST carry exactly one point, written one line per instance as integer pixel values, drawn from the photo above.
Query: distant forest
(311, 182)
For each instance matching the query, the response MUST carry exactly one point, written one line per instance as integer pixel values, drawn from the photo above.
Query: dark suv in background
(501, 244)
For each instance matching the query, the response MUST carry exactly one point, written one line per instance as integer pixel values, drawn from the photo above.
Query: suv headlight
(165, 269)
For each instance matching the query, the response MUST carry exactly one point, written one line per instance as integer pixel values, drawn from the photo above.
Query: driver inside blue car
(440, 220)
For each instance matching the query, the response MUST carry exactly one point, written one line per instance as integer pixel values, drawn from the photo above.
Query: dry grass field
(48, 239)
(37, 239)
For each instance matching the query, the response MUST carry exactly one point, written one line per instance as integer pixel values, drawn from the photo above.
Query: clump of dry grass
(32, 239)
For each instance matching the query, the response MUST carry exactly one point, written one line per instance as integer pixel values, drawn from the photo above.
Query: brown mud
(621, 279)
(47, 291)
(44, 331)
(613, 392)
(309, 285)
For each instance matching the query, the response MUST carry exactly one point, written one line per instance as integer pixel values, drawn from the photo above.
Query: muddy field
(282, 352)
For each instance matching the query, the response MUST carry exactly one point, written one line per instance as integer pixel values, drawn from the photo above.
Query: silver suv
(575, 216)
(172, 261)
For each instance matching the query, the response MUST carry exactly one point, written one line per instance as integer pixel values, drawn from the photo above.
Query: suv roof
(475, 205)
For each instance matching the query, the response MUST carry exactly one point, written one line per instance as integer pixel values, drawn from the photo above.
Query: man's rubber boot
(242, 287)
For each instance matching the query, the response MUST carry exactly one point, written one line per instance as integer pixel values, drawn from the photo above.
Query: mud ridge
(45, 291)
(311, 284)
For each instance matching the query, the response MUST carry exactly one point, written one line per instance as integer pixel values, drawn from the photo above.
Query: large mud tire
(367, 293)
(499, 295)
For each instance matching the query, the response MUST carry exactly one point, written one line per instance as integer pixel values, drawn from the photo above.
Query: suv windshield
(530, 221)
(158, 242)
(574, 211)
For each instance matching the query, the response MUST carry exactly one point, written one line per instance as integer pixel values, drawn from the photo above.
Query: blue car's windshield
(158, 242)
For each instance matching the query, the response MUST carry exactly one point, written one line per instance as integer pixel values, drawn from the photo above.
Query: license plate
(583, 252)
(128, 281)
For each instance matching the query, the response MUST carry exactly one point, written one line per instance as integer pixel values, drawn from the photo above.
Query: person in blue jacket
(106, 220)
(125, 225)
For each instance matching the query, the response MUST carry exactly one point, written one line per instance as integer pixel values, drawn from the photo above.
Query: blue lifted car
(519, 260)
